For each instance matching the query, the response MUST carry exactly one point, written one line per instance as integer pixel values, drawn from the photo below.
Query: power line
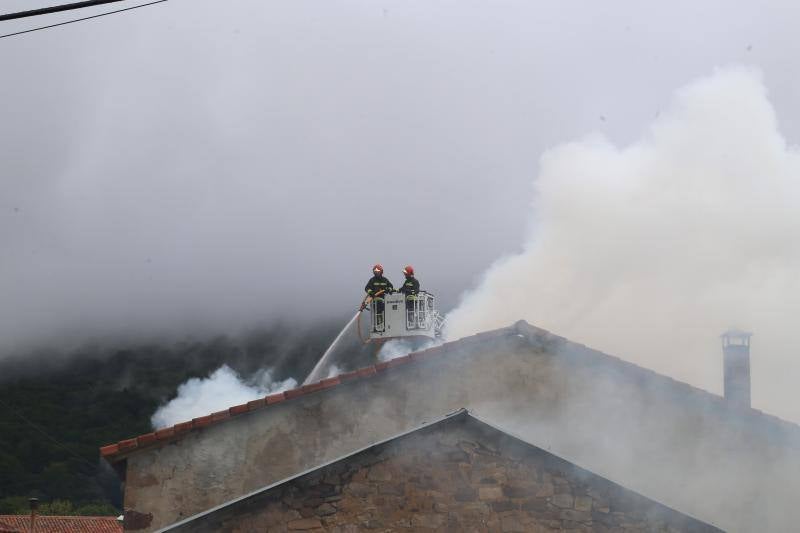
(43, 432)
(55, 9)
(82, 19)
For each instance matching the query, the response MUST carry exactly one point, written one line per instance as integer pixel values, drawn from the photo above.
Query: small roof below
(60, 524)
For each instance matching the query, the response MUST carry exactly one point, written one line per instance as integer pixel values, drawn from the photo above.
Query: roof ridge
(163, 435)
(547, 339)
(536, 336)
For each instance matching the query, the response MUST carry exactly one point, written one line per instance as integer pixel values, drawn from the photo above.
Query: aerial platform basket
(404, 317)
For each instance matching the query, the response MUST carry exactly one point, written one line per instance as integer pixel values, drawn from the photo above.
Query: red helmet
(377, 269)
(408, 270)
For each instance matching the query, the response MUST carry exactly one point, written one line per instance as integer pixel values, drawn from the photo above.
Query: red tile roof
(116, 450)
(534, 335)
(60, 524)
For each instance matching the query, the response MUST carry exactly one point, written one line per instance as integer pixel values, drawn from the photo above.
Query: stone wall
(457, 475)
(661, 438)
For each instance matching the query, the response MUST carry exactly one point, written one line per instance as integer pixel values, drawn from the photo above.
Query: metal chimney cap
(34, 503)
(736, 334)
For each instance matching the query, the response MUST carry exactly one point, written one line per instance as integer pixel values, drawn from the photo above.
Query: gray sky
(219, 163)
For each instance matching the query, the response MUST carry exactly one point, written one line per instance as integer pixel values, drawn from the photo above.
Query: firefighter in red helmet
(411, 285)
(410, 288)
(376, 288)
(378, 285)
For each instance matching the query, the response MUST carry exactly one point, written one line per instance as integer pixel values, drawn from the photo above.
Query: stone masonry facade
(458, 475)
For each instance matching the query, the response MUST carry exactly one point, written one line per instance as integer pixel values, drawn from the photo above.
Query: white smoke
(222, 389)
(333, 371)
(650, 251)
(395, 348)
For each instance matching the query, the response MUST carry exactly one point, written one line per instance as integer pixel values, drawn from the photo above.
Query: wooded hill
(56, 409)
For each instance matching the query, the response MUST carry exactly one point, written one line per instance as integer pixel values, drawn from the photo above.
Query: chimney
(736, 363)
(34, 503)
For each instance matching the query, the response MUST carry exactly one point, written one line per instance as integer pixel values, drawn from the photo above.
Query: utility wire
(7, 490)
(43, 432)
(55, 9)
(82, 19)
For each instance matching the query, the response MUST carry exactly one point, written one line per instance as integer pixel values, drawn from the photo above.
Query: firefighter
(376, 287)
(410, 288)
(411, 285)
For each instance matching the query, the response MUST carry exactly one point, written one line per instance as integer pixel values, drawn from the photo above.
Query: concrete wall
(455, 476)
(665, 440)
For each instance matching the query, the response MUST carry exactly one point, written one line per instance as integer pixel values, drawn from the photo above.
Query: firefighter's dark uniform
(410, 288)
(375, 285)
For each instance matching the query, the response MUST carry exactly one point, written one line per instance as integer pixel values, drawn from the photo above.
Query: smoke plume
(399, 347)
(651, 250)
(222, 389)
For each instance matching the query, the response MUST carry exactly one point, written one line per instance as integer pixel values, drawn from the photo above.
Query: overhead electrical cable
(43, 432)
(82, 19)
(55, 9)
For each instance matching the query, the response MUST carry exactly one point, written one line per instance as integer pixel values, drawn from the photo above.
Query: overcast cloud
(219, 163)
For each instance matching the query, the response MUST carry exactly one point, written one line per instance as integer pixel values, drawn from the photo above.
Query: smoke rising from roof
(395, 348)
(222, 389)
(651, 250)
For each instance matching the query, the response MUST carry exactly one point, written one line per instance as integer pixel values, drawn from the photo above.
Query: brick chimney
(736, 364)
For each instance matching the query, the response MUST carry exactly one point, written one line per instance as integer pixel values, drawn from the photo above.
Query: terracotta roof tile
(366, 371)
(220, 415)
(275, 398)
(127, 444)
(61, 524)
(165, 433)
(311, 387)
(110, 449)
(347, 376)
(330, 382)
(6, 527)
(182, 427)
(239, 409)
(144, 440)
(537, 337)
(256, 404)
(292, 394)
(380, 367)
(399, 361)
(200, 422)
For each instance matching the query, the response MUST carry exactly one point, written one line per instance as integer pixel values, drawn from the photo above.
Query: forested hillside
(56, 409)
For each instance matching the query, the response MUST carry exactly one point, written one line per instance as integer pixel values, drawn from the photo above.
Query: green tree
(56, 508)
(97, 509)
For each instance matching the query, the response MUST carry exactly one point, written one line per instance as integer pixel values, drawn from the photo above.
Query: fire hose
(367, 300)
